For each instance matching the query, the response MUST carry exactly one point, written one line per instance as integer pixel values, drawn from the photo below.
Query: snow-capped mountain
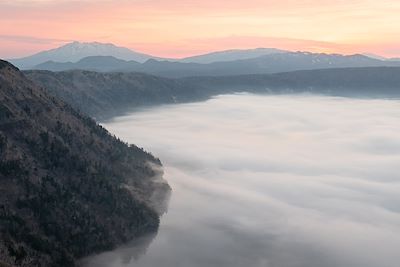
(75, 51)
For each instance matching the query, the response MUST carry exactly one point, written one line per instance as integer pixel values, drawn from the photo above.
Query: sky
(179, 28)
(271, 181)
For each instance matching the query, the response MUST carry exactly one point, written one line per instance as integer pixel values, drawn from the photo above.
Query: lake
(271, 181)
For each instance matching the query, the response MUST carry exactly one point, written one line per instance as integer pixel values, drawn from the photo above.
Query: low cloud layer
(272, 181)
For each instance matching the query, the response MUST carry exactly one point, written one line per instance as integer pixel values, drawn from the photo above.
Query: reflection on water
(272, 181)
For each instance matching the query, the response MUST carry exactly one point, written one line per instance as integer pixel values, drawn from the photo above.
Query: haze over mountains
(272, 63)
(110, 58)
(76, 51)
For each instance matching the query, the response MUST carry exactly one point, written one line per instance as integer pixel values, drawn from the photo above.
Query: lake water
(271, 181)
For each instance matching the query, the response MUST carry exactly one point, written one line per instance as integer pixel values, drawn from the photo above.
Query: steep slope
(67, 188)
(106, 94)
(75, 51)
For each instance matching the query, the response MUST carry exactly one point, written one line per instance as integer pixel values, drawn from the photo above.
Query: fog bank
(272, 181)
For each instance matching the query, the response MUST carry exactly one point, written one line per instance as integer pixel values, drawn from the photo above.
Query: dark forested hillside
(67, 188)
(104, 94)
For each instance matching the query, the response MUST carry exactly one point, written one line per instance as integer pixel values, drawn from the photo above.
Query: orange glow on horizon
(178, 28)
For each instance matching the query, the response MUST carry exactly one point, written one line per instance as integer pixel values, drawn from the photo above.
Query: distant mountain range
(270, 63)
(75, 51)
(108, 57)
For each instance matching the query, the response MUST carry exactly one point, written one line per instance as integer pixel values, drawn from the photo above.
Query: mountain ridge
(218, 63)
(94, 63)
(271, 63)
(231, 55)
(98, 94)
(364, 82)
(75, 51)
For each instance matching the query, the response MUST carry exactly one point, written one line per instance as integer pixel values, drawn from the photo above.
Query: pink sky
(178, 28)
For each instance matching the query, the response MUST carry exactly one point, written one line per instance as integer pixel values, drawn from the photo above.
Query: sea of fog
(271, 181)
